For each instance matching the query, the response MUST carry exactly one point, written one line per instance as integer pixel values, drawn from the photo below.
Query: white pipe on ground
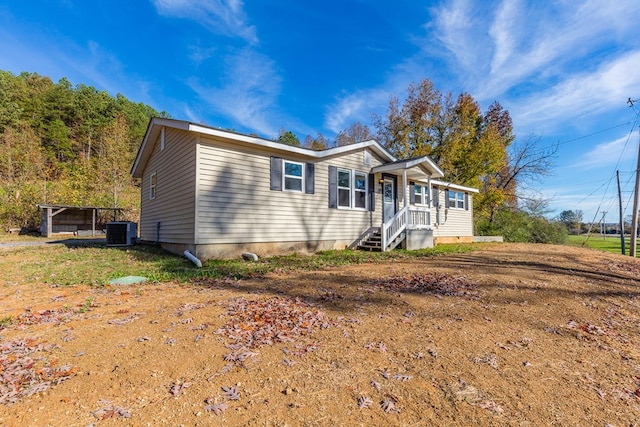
(250, 256)
(193, 259)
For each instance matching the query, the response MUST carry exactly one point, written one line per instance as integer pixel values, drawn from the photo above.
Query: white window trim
(285, 176)
(352, 190)
(425, 194)
(455, 200)
(422, 203)
(153, 186)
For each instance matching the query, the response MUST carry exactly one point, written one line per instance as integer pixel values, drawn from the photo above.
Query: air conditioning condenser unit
(121, 233)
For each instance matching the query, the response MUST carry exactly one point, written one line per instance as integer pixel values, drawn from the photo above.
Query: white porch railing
(394, 227)
(419, 218)
(407, 217)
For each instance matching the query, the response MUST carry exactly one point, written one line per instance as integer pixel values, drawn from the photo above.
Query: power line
(595, 133)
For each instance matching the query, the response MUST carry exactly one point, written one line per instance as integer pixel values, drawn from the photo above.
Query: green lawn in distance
(607, 243)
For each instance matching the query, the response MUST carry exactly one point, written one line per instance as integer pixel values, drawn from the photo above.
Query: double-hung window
(359, 190)
(350, 189)
(344, 188)
(420, 194)
(293, 177)
(287, 175)
(456, 199)
(353, 188)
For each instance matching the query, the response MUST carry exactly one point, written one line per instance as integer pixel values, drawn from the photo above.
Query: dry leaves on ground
(23, 374)
(254, 324)
(432, 283)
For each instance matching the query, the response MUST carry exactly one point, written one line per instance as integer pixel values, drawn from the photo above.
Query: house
(218, 193)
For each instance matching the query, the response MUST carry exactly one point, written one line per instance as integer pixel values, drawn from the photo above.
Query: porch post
(404, 187)
(430, 195)
(49, 223)
(93, 222)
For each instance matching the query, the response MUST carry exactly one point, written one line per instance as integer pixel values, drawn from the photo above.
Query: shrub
(519, 226)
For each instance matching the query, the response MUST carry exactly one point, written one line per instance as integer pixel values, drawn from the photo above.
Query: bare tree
(357, 132)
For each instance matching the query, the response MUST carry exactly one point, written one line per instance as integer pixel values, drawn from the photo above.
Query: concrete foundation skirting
(235, 250)
(418, 239)
(442, 240)
(488, 239)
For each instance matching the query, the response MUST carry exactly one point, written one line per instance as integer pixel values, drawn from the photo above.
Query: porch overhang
(415, 168)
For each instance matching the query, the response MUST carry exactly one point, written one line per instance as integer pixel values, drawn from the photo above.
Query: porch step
(374, 242)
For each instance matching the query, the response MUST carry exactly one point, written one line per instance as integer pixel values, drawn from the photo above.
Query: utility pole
(602, 227)
(621, 215)
(634, 221)
(634, 216)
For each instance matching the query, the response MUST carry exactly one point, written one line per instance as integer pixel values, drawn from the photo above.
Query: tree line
(474, 148)
(65, 144)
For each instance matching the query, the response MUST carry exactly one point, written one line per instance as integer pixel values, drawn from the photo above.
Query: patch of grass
(86, 306)
(608, 243)
(7, 321)
(96, 264)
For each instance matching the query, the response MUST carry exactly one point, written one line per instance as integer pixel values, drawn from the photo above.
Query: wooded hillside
(65, 144)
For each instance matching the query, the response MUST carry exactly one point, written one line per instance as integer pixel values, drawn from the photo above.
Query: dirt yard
(509, 335)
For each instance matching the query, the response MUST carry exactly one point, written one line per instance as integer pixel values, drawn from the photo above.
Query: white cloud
(198, 55)
(221, 16)
(606, 154)
(502, 30)
(456, 26)
(497, 50)
(248, 93)
(88, 63)
(581, 95)
(354, 107)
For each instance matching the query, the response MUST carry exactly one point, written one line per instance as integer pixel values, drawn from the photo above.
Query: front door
(388, 198)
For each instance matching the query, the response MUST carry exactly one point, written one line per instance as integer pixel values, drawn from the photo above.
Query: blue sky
(564, 69)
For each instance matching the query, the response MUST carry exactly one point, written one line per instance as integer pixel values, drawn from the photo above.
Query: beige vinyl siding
(453, 221)
(236, 205)
(174, 205)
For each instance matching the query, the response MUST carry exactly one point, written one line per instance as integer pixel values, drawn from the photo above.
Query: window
(344, 188)
(456, 200)
(360, 190)
(417, 190)
(349, 189)
(420, 195)
(352, 189)
(286, 175)
(293, 176)
(152, 186)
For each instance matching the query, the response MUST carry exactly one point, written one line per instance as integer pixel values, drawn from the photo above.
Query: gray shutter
(412, 192)
(446, 199)
(333, 187)
(276, 173)
(309, 177)
(372, 192)
(466, 201)
(436, 197)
